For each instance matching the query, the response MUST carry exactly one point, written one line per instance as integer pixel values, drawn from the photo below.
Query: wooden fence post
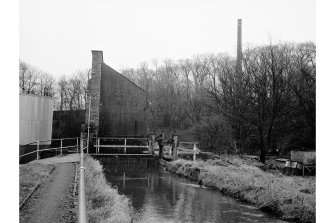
(149, 145)
(194, 150)
(61, 147)
(124, 180)
(77, 145)
(175, 149)
(98, 145)
(88, 142)
(153, 137)
(125, 144)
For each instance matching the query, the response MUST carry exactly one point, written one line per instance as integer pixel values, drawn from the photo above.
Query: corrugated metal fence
(35, 118)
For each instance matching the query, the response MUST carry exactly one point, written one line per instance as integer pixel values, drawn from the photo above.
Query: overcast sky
(58, 36)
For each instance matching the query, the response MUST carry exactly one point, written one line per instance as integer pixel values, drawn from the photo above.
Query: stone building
(118, 105)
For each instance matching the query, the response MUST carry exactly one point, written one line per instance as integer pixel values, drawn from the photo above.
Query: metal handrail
(28, 153)
(82, 213)
(64, 147)
(33, 143)
(191, 143)
(37, 151)
(122, 138)
(124, 145)
(121, 146)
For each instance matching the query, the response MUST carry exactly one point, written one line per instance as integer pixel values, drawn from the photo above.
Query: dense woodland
(267, 106)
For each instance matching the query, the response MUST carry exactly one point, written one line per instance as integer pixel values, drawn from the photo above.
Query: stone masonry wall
(118, 106)
(94, 90)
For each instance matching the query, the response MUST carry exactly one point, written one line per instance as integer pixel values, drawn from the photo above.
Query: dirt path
(53, 201)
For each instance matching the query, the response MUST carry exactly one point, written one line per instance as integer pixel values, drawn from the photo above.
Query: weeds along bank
(291, 198)
(104, 203)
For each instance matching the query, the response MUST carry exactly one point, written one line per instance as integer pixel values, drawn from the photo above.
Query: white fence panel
(36, 113)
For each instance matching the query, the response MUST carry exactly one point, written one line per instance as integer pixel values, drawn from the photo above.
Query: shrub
(291, 198)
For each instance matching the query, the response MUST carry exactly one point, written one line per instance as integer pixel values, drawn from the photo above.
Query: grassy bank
(104, 203)
(31, 174)
(291, 198)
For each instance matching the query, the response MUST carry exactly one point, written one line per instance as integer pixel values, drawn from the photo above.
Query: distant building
(67, 123)
(36, 114)
(118, 106)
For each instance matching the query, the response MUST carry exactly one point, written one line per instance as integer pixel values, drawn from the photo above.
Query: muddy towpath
(53, 201)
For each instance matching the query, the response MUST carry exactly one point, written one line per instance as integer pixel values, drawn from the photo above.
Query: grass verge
(31, 174)
(104, 203)
(291, 198)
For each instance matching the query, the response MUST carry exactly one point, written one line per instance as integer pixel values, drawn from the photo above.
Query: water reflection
(158, 196)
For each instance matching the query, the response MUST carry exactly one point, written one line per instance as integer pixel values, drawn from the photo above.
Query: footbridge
(113, 147)
(141, 147)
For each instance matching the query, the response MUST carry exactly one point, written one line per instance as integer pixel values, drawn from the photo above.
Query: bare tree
(263, 107)
(62, 92)
(71, 91)
(28, 76)
(46, 84)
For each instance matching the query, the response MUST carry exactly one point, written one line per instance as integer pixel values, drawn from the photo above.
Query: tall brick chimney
(239, 47)
(93, 90)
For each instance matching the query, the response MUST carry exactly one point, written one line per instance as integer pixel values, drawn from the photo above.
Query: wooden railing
(123, 143)
(182, 150)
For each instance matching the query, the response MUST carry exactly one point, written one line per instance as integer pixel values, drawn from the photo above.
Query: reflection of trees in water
(195, 205)
(116, 172)
(178, 208)
(181, 202)
(159, 196)
(183, 209)
(190, 206)
(187, 209)
(174, 194)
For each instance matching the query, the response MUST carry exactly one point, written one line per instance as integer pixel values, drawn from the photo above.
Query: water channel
(158, 196)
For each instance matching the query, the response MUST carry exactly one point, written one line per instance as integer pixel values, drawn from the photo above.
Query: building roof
(114, 71)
